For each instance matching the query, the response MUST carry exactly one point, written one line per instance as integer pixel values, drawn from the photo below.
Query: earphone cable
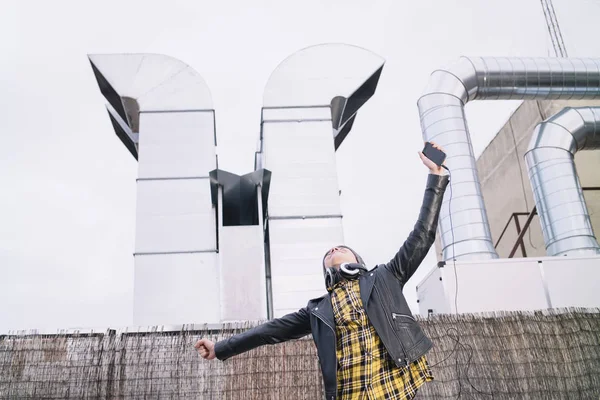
(458, 343)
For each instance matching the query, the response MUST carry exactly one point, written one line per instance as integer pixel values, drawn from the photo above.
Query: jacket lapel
(365, 283)
(325, 310)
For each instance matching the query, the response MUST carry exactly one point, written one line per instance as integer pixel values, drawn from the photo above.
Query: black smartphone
(435, 155)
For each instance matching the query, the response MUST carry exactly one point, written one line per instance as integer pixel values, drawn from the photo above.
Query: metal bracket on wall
(521, 232)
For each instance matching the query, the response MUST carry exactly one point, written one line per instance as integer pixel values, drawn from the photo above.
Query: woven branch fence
(554, 354)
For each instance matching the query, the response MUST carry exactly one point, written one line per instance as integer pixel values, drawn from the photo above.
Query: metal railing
(522, 231)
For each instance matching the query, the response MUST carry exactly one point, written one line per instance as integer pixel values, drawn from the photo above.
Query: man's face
(339, 255)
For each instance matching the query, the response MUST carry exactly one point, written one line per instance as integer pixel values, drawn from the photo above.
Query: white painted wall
(514, 284)
(431, 295)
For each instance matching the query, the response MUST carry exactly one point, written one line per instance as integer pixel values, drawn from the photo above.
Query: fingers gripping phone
(435, 155)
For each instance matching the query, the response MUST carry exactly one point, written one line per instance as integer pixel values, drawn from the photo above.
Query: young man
(369, 344)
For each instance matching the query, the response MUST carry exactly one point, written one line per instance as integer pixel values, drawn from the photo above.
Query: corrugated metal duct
(556, 188)
(441, 109)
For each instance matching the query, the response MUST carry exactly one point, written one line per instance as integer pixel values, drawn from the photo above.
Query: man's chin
(338, 263)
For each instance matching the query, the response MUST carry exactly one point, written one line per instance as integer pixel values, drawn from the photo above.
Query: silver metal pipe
(465, 231)
(564, 217)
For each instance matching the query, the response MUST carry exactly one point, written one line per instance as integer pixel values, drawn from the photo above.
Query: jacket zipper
(323, 319)
(393, 329)
(330, 327)
(394, 315)
(389, 292)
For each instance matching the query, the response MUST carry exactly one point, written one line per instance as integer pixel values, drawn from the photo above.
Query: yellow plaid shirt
(365, 369)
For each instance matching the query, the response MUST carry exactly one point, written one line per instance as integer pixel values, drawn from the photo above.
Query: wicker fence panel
(553, 354)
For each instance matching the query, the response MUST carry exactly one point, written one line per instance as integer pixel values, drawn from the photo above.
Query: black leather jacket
(382, 298)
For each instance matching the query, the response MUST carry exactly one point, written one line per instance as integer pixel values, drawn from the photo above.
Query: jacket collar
(323, 310)
(323, 307)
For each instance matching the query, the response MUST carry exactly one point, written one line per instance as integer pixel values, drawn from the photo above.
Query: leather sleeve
(415, 248)
(290, 326)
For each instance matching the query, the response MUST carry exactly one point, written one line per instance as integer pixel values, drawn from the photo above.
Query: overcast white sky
(67, 208)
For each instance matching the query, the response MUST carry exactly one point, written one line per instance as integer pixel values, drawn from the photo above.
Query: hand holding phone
(433, 152)
(433, 157)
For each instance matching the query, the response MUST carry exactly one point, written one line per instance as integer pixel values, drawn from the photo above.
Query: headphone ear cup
(346, 271)
(351, 270)
(332, 276)
(356, 266)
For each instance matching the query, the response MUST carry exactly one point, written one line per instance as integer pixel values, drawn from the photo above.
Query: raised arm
(290, 326)
(415, 248)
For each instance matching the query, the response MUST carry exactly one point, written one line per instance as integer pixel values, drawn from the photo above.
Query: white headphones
(350, 270)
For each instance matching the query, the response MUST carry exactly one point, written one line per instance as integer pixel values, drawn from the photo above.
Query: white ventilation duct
(441, 109)
(162, 111)
(564, 217)
(309, 105)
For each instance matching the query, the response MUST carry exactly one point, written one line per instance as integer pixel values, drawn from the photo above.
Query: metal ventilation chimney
(162, 111)
(441, 109)
(309, 105)
(241, 205)
(556, 188)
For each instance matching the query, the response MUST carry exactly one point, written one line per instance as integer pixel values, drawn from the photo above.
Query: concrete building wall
(505, 183)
